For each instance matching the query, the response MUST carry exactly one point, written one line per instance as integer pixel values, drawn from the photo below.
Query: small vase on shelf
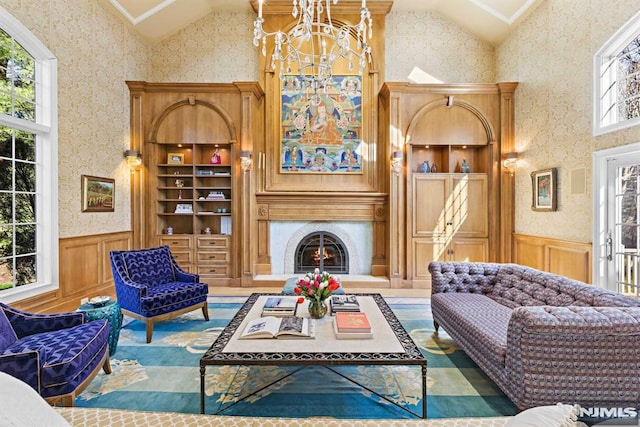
(317, 309)
(464, 167)
(434, 169)
(424, 168)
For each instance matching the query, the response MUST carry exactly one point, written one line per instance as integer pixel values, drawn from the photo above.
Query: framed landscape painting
(321, 132)
(544, 190)
(97, 194)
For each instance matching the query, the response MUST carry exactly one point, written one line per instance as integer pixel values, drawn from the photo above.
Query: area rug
(165, 375)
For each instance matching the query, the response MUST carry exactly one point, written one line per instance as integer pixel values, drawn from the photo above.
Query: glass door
(622, 245)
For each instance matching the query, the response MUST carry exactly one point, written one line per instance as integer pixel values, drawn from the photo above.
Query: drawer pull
(174, 242)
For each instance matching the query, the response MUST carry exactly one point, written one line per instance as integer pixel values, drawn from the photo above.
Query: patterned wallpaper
(217, 48)
(96, 53)
(552, 60)
(437, 47)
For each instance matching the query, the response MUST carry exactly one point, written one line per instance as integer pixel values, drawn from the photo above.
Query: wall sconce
(509, 162)
(133, 159)
(245, 160)
(396, 161)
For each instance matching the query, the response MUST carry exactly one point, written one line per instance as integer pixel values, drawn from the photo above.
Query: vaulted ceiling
(490, 20)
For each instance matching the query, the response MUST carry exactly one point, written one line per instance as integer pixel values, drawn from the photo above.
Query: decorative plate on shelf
(99, 301)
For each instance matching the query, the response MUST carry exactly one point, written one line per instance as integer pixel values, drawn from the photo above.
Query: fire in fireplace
(321, 250)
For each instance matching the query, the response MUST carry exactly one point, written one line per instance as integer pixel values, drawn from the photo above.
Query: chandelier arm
(315, 45)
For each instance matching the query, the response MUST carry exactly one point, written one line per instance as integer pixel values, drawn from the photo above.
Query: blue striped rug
(165, 375)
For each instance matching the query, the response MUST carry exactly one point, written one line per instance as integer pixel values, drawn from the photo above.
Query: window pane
(25, 239)
(6, 175)
(25, 270)
(6, 208)
(6, 241)
(25, 146)
(6, 273)
(25, 208)
(5, 142)
(25, 177)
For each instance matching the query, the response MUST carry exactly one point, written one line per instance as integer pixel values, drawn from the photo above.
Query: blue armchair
(56, 354)
(151, 287)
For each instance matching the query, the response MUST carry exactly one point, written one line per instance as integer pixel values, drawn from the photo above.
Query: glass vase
(317, 309)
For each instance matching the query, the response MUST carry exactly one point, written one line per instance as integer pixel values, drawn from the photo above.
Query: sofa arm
(24, 366)
(183, 276)
(129, 293)
(463, 277)
(574, 354)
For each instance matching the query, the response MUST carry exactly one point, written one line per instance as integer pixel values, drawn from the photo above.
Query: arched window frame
(605, 93)
(46, 130)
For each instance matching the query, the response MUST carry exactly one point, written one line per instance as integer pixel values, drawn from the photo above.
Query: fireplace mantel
(323, 206)
(326, 206)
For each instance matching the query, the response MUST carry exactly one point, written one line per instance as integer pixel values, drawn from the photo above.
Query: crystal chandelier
(314, 44)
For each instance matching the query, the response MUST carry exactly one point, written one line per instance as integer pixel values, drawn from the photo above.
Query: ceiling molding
(489, 20)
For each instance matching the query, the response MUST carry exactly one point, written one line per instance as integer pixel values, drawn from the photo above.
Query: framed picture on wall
(321, 133)
(98, 194)
(175, 158)
(544, 190)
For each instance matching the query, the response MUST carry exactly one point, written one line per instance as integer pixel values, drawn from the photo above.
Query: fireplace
(355, 237)
(321, 250)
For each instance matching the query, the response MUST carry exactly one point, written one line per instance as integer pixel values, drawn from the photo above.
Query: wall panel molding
(565, 257)
(85, 271)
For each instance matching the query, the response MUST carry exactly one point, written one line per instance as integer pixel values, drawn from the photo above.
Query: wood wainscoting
(564, 257)
(84, 271)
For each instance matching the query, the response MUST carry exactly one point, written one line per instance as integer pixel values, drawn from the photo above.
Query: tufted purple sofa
(542, 338)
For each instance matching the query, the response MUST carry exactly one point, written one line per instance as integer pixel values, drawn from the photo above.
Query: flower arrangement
(316, 286)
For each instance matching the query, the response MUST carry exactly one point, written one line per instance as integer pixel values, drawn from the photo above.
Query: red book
(353, 322)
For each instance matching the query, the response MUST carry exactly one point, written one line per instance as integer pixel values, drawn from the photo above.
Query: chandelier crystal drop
(314, 44)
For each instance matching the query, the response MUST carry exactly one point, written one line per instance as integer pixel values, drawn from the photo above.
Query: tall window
(28, 163)
(617, 80)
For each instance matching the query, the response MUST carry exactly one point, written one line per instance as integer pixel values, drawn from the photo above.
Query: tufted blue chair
(56, 354)
(151, 287)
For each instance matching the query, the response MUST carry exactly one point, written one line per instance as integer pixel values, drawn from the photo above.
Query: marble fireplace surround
(359, 220)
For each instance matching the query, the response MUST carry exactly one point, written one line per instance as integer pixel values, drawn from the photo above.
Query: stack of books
(349, 326)
(344, 304)
(280, 306)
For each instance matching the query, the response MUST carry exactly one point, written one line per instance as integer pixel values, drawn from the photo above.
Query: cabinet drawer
(213, 270)
(182, 257)
(213, 242)
(213, 257)
(183, 242)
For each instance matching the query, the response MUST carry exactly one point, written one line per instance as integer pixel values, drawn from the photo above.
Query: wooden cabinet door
(469, 250)
(429, 197)
(467, 206)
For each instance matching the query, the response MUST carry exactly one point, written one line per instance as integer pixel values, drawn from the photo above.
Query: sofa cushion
(481, 319)
(172, 296)
(150, 266)
(7, 334)
(65, 355)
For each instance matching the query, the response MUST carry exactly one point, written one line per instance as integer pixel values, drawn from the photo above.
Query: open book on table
(279, 327)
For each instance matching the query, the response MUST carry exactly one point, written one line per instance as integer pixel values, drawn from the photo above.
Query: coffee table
(390, 345)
